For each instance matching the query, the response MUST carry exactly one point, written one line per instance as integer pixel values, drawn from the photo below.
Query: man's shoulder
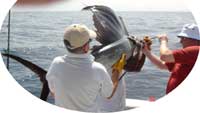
(186, 55)
(58, 59)
(192, 48)
(98, 65)
(188, 49)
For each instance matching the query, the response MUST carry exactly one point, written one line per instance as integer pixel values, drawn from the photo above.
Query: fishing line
(122, 75)
(8, 41)
(153, 37)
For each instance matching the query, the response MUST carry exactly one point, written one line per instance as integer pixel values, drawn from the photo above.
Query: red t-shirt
(184, 62)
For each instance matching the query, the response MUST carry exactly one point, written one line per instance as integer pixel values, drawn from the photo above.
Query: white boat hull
(135, 103)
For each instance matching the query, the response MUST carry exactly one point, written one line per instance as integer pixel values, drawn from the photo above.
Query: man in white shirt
(75, 79)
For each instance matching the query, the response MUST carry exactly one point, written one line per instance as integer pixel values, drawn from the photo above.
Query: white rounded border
(13, 98)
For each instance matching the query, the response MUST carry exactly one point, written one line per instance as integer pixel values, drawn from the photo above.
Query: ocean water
(37, 36)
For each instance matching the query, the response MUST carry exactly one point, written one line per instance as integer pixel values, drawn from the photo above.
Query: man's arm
(153, 58)
(50, 77)
(52, 94)
(165, 53)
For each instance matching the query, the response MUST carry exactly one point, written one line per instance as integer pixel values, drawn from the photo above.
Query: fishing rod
(125, 29)
(8, 41)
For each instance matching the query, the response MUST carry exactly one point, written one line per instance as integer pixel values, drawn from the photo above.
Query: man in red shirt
(179, 62)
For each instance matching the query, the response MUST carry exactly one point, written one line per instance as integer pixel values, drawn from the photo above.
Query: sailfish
(115, 41)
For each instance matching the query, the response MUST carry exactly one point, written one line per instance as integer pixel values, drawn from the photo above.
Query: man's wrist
(163, 38)
(163, 41)
(147, 52)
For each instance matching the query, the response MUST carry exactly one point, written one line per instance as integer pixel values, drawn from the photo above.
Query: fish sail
(113, 35)
(108, 25)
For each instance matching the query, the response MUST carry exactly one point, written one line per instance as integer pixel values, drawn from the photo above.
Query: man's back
(78, 81)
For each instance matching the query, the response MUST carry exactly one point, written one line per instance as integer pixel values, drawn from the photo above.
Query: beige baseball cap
(78, 35)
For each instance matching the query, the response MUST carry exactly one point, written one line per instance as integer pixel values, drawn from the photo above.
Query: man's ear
(85, 48)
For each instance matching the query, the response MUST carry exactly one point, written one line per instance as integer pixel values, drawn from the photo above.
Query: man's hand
(148, 42)
(162, 37)
(147, 45)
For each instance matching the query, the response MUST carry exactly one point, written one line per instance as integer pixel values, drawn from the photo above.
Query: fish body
(113, 35)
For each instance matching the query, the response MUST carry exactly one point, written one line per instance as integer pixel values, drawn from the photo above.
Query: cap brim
(92, 34)
(180, 35)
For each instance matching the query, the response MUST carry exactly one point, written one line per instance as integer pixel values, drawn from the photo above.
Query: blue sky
(119, 5)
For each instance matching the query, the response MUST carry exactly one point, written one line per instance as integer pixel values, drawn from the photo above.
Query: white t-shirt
(77, 81)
